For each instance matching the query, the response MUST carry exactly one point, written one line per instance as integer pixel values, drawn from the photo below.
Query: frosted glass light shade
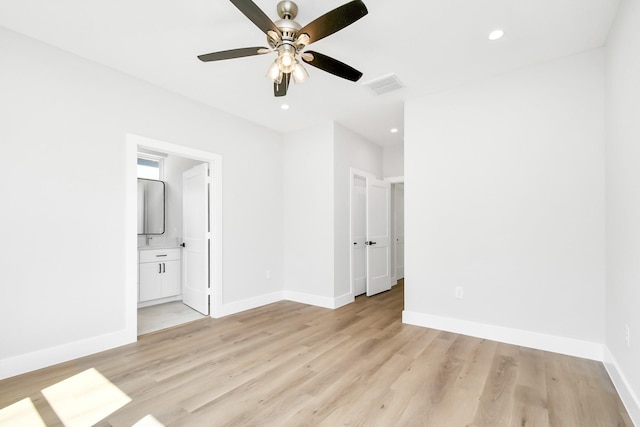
(274, 73)
(299, 73)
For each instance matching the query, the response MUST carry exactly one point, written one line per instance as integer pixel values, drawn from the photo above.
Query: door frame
(133, 142)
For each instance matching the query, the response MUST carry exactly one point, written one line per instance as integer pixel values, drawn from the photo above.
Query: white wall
(505, 197)
(62, 178)
(316, 211)
(393, 161)
(350, 151)
(308, 215)
(623, 202)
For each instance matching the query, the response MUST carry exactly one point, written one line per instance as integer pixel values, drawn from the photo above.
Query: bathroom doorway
(163, 263)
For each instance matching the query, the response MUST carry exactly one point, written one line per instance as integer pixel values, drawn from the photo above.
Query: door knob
(370, 243)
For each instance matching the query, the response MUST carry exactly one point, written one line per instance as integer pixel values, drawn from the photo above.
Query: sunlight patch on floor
(21, 414)
(148, 421)
(85, 398)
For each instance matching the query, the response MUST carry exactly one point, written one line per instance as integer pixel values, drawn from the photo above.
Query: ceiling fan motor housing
(287, 11)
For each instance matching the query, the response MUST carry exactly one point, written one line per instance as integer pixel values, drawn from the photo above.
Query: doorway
(162, 311)
(398, 230)
(371, 234)
(173, 251)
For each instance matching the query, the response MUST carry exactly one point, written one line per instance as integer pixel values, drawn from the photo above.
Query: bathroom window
(150, 167)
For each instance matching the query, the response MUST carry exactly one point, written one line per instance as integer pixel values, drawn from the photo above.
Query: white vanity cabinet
(159, 274)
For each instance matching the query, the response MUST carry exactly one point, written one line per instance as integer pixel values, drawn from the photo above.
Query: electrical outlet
(627, 335)
(459, 292)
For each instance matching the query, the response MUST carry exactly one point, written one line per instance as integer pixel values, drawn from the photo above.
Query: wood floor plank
(424, 367)
(356, 403)
(440, 400)
(290, 364)
(497, 397)
(530, 398)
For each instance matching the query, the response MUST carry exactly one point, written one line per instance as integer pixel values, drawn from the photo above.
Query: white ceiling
(429, 44)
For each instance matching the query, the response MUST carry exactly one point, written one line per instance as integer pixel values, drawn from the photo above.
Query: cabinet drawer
(159, 255)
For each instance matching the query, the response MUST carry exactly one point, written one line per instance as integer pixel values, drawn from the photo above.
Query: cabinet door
(170, 278)
(150, 281)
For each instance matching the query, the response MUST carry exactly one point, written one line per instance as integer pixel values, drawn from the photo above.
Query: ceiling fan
(289, 39)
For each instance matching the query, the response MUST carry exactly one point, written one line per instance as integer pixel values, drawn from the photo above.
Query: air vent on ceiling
(384, 84)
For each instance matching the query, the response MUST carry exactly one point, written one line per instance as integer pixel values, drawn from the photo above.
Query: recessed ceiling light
(394, 130)
(285, 106)
(496, 34)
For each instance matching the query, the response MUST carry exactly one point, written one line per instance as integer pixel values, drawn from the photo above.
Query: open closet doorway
(178, 259)
(397, 190)
(371, 234)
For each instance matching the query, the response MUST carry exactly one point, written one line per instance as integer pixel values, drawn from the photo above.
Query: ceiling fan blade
(233, 53)
(333, 66)
(280, 89)
(256, 15)
(334, 21)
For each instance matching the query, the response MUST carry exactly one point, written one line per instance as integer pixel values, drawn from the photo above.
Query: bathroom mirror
(150, 206)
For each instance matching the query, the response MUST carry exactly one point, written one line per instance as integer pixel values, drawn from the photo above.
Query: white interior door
(378, 242)
(359, 234)
(399, 205)
(195, 228)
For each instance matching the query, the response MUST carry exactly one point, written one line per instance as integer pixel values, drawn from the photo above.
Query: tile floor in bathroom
(163, 316)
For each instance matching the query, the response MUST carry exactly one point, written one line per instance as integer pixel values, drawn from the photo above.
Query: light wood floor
(288, 364)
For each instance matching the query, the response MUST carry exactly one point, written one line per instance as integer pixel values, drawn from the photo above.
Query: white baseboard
(303, 298)
(28, 362)
(343, 300)
(159, 301)
(626, 393)
(310, 299)
(568, 346)
(247, 304)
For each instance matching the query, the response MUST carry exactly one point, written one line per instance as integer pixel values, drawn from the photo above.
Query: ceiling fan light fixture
(286, 58)
(274, 73)
(299, 73)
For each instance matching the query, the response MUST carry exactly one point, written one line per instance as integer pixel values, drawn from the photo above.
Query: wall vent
(384, 84)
